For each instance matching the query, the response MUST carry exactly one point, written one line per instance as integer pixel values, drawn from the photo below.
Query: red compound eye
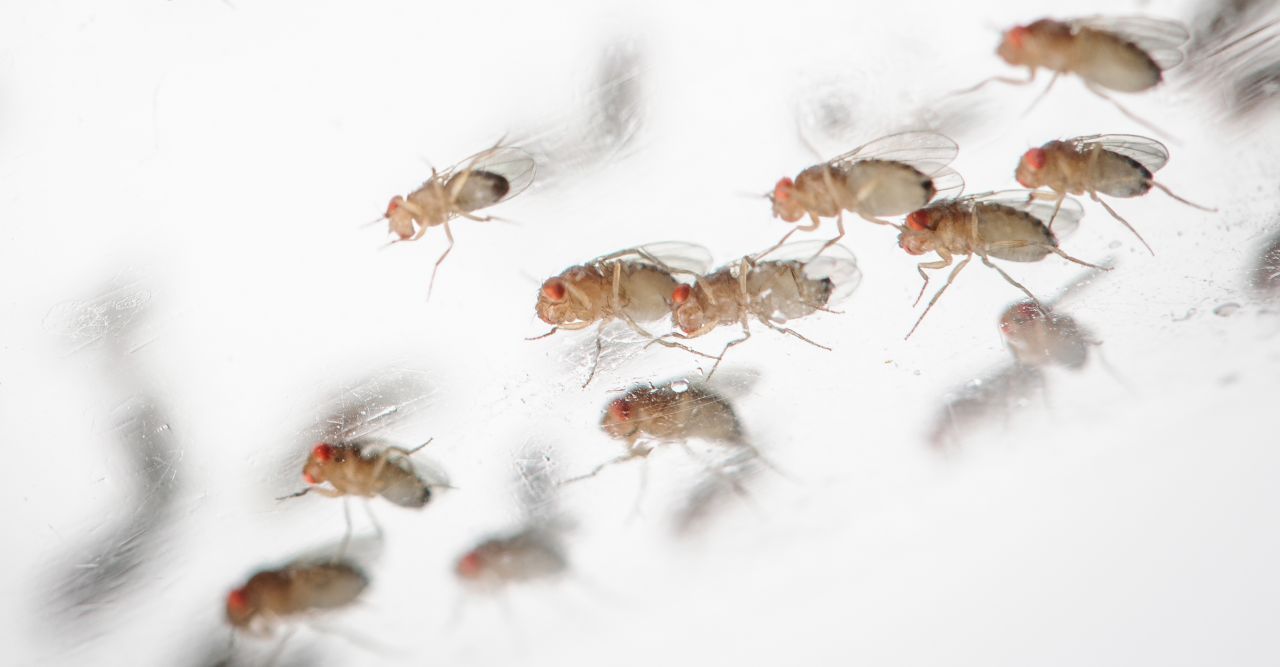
(1018, 36)
(237, 600)
(1034, 158)
(322, 452)
(393, 206)
(681, 294)
(553, 290)
(918, 221)
(620, 410)
(469, 565)
(782, 191)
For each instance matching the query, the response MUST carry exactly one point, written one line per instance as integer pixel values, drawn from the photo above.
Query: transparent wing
(1147, 152)
(928, 152)
(1065, 218)
(509, 162)
(676, 255)
(837, 264)
(947, 182)
(1159, 38)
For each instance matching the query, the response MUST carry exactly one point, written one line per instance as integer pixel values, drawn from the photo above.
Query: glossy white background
(216, 159)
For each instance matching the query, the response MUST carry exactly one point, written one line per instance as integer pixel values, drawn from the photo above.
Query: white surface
(224, 154)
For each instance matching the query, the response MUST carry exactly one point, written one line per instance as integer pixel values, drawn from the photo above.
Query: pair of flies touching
(674, 281)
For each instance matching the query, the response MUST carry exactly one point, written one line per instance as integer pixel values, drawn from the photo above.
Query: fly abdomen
(480, 189)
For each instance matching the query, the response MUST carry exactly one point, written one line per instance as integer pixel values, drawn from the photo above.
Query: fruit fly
(633, 285)
(368, 469)
(890, 176)
(1009, 225)
(482, 180)
(1122, 54)
(1038, 336)
(527, 555)
(670, 412)
(647, 415)
(534, 550)
(1117, 165)
(773, 291)
(274, 595)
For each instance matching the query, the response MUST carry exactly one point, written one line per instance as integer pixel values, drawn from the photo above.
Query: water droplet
(680, 386)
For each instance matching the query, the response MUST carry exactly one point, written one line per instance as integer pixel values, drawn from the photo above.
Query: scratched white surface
(211, 162)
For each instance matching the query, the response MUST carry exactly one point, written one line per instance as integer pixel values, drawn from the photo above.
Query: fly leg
(1031, 76)
(328, 493)
(940, 264)
(987, 260)
(815, 222)
(1124, 222)
(1096, 91)
(839, 235)
(1188, 203)
(1056, 208)
(595, 358)
(746, 334)
(596, 470)
(950, 278)
(1057, 251)
(793, 332)
(1042, 94)
(878, 221)
(449, 233)
(744, 267)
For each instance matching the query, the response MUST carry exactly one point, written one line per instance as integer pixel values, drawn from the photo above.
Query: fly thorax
(816, 188)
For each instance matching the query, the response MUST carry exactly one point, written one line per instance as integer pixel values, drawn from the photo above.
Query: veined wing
(837, 264)
(1043, 207)
(947, 184)
(1161, 39)
(678, 256)
(1147, 152)
(928, 152)
(509, 162)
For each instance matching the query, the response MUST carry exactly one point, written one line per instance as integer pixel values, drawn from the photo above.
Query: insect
(533, 551)
(1008, 225)
(1117, 165)
(890, 176)
(633, 285)
(1122, 54)
(482, 180)
(772, 291)
(526, 555)
(672, 412)
(273, 595)
(1038, 336)
(368, 469)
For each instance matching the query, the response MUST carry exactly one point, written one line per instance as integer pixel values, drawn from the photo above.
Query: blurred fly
(1122, 54)
(773, 291)
(633, 285)
(534, 550)
(482, 180)
(1039, 336)
(1008, 225)
(890, 176)
(1117, 165)
(647, 415)
(271, 596)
